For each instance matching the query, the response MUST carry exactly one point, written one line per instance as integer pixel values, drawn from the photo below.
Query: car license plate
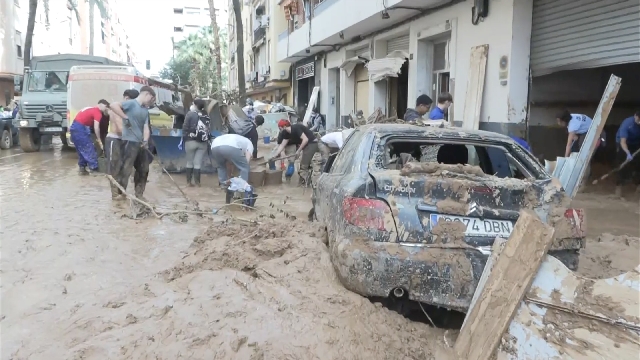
(52, 129)
(478, 227)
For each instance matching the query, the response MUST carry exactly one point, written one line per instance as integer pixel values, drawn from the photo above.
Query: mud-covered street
(82, 281)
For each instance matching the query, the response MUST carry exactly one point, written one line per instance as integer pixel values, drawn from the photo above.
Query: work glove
(181, 145)
(145, 144)
(629, 157)
(298, 153)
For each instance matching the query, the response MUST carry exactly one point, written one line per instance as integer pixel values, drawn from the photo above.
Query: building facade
(266, 78)
(58, 33)
(189, 18)
(542, 56)
(12, 36)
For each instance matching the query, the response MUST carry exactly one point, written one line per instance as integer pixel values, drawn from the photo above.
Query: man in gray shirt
(136, 131)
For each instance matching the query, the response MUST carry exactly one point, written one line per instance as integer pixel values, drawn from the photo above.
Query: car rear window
(494, 159)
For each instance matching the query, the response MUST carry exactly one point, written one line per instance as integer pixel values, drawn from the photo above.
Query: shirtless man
(113, 143)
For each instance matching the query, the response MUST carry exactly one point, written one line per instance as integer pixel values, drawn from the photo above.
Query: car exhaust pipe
(398, 292)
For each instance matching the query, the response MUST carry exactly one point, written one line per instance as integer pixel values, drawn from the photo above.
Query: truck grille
(29, 111)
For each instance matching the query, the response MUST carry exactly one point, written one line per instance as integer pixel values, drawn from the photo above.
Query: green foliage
(193, 63)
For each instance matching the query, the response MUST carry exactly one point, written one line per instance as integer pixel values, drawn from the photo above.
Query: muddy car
(412, 212)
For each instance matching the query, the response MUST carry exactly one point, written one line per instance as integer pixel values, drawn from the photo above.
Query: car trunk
(455, 208)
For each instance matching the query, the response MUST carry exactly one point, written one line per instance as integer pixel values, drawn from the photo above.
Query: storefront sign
(305, 71)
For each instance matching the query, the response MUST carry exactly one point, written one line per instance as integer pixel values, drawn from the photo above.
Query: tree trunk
(31, 23)
(216, 51)
(91, 25)
(242, 86)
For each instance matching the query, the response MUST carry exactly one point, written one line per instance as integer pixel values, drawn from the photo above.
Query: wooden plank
(566, 316)
(496, 250)
(475, 87)
(589, 145)
(312, 103)
(506, 285)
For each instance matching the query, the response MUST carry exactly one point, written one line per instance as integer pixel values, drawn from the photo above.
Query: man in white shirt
(577, 126)
(235, 149)
(332, 142)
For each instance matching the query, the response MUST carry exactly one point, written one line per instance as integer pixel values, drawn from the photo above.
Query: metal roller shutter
(400, 43)
(364, 52)
(579, 34)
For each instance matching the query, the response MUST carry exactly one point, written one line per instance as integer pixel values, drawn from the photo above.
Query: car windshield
(54, 81)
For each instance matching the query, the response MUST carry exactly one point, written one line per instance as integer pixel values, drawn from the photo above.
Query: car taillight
(365, 213)
(576, 217)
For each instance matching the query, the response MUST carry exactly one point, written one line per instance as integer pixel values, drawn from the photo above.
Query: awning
(350, 64)
(389, 66)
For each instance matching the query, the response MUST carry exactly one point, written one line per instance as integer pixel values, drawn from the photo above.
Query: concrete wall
(277, 24)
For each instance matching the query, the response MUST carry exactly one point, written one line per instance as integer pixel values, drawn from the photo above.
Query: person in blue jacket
(628, 142)
(522, 142)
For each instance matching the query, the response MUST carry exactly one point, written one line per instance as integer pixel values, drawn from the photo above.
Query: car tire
(29, 139)
(6, 142)
(569, 258)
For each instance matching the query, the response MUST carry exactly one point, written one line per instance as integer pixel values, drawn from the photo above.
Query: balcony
(259, 34)
(343, 19)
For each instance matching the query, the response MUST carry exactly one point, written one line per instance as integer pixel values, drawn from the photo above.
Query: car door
(326, 185)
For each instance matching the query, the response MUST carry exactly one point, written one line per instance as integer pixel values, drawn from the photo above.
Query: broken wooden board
(311, 105)
(496, 250)
(475, 87)
(566, 316)
(505, 287)
(591, 139)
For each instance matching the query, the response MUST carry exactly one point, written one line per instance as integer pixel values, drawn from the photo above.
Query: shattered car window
(344, 157)
(492, 159)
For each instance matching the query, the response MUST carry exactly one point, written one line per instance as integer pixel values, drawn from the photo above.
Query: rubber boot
(196, 176)
(189, 176)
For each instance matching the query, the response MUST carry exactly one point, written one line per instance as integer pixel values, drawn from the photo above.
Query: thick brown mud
(79, 281)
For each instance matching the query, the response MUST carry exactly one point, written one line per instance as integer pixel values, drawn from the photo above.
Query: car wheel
(29, 139)
(570, 258)
(6, 141)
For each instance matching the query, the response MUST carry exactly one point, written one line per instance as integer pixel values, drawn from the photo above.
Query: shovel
(616, 169)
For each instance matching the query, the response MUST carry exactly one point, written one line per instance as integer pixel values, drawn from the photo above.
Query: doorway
(399, 90)
(361, 102)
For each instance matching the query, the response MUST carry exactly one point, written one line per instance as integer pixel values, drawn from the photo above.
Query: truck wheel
(6, 141)
(65, 141)
(29, 139)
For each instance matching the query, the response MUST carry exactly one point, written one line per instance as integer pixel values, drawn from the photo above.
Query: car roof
(434, 132)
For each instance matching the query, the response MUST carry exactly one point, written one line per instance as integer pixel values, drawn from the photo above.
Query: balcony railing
(259, 34)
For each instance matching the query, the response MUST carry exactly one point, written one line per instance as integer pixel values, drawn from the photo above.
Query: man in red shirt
(80, 131)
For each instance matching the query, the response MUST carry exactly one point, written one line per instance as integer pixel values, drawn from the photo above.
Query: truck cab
(43, 110)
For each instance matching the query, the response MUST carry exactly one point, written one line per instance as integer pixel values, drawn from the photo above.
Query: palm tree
(31, 23)
(242, 89)
(197, 51)
(100, 4)
(216, 48)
